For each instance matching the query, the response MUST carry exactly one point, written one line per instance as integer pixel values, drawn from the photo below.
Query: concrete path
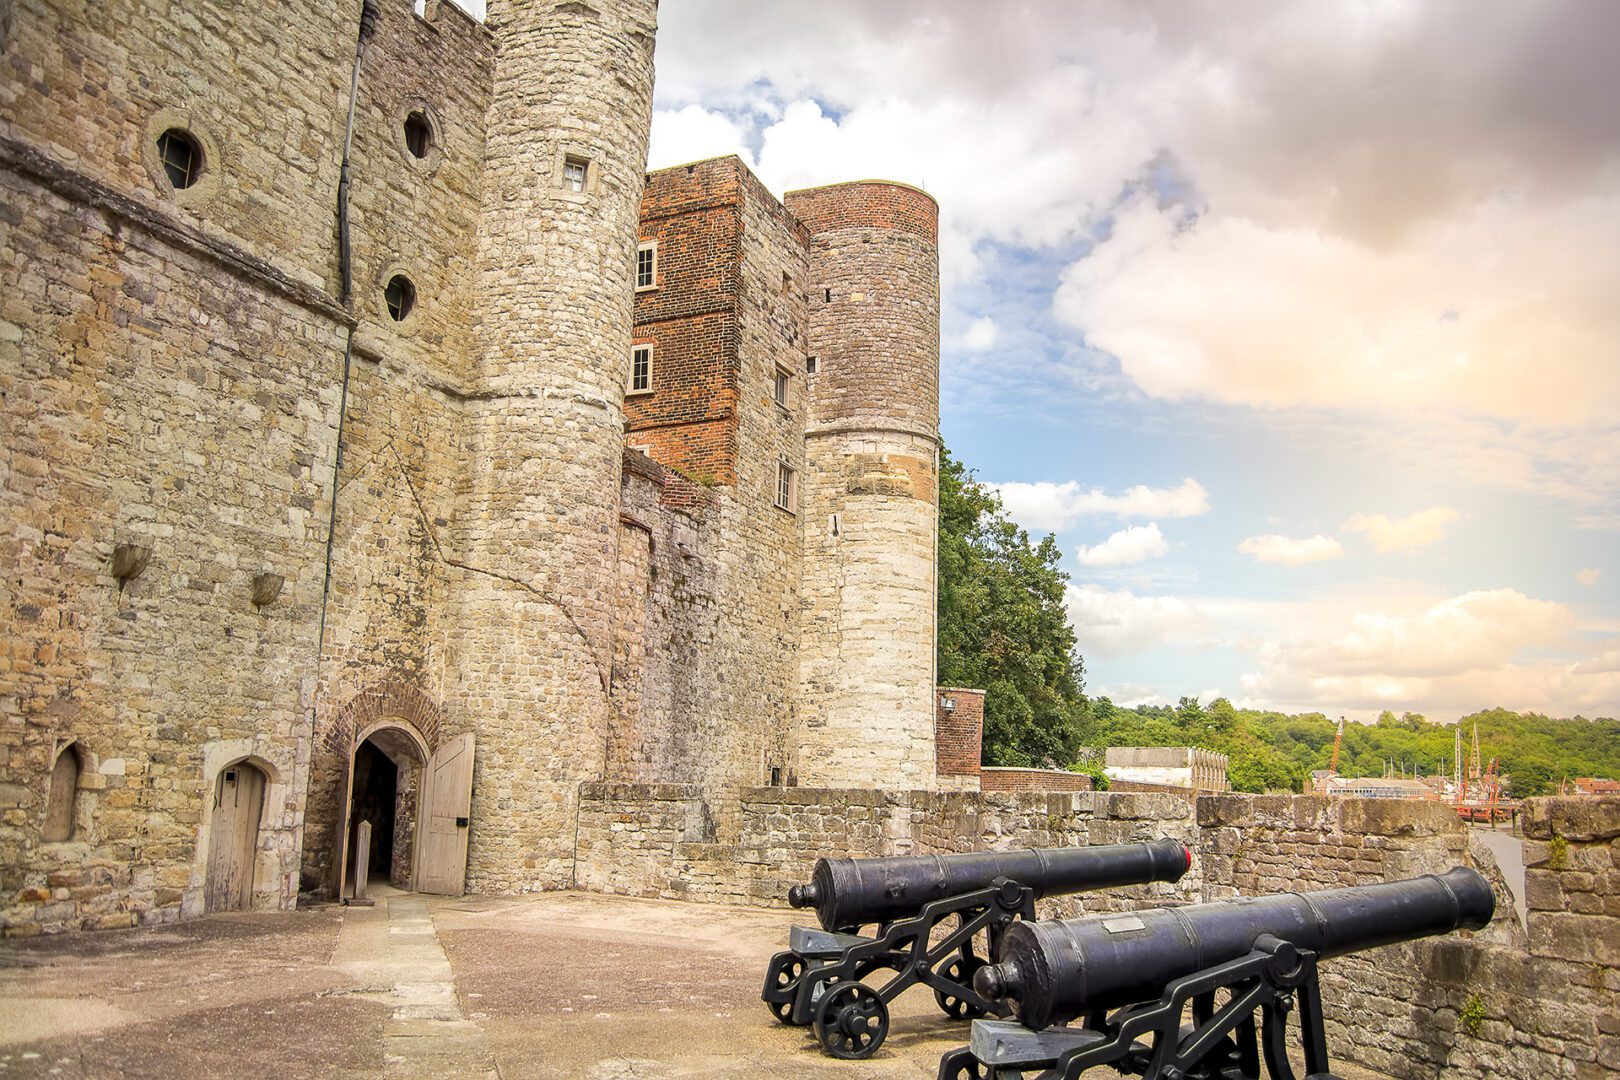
(1509, 852)
(392, 955)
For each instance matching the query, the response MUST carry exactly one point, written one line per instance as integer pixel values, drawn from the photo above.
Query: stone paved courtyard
(554, 985)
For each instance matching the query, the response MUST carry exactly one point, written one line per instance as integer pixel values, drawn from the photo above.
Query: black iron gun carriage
(928, 910)
(1130, 978)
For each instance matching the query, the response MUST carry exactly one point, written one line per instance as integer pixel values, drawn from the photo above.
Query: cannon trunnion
(928, 910)
(1132, 977)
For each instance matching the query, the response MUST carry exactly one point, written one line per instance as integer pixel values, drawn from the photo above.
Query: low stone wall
(1001, 778)
(1138, 786)
(1523, 1002)
(648, 839)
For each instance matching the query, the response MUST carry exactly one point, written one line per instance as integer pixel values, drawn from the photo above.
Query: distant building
(1167, 766)
(1372, 787)
(1593, 785)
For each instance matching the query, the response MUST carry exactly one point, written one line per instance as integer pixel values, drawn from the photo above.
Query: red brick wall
(958, 732)
(999, 779)
(867, 204)
(689, 421)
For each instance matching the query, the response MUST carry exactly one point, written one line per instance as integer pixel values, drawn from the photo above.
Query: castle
(383, 444)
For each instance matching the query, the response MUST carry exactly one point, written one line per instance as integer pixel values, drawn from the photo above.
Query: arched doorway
(385, 780)
(233, 837)
(424, 843)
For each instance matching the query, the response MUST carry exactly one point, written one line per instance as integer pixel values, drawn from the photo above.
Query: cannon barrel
(852, 892)
(1056, 971)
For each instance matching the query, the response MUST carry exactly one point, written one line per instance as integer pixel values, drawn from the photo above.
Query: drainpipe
(368, 27)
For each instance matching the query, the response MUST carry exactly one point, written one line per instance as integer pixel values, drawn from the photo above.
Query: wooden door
(441, 853)
(233, 838)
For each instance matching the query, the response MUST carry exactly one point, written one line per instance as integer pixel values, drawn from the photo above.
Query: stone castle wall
(172, 363)
(869, 493)
(725, 314)
(178, 365)
(664, 644)
(531, 645)
(396, 557)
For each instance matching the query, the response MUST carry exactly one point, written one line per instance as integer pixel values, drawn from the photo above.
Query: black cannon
(817, 980)
(1147, 967)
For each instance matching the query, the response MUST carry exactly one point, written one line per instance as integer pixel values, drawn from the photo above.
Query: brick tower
(870, 492)
(531, 650)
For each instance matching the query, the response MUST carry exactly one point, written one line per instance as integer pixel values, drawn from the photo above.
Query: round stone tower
(870, 492)
(531, 638)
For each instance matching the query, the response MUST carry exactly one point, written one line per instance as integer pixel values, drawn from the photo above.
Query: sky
(1298, 324)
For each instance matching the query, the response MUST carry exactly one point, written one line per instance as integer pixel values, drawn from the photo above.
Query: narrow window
(418, 134)
(776, 776)
(641, 369)
(809, 365)
(780, 391)
(787, 283)
(181, 156)
(63, 797)
(574, 173)
(400, 296)
(786, 485)
(647, 265)
(826, 296)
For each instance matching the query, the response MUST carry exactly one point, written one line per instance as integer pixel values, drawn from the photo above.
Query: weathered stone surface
(1583, 818)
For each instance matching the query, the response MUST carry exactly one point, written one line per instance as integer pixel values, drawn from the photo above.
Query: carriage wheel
(851, 1021)
(959, 971)
(786, 968)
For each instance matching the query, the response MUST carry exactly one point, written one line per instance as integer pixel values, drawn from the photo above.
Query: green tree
(1003, 626)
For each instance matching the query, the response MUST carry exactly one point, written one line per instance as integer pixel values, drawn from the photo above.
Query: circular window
(418, 134)
(181, 156)
(400, 296)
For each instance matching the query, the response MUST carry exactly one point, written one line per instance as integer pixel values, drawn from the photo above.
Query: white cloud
(1404, 534)
(1467, 652)
(980, 334)
(1044, 506)
(1110, 622)
(1482, 629)
(1285, 312)
(1284, 549)
(692, 133)
(1589, 577)
(1129, 695)
(1131, 545)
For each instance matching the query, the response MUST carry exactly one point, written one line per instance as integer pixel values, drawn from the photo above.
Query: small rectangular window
(574, 173)
(647, 265)
(787, 486)
(780, 390)
(641, 369)
(809, 365)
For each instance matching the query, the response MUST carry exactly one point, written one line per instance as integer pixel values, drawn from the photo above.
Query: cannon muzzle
(848, 893)
(1056, 971)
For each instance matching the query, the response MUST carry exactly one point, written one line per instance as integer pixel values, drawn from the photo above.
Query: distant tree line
(1272, 751)
(1004, 628)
